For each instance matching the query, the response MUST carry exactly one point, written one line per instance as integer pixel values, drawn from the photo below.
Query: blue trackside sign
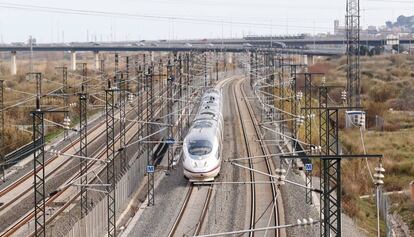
(150, 169)
(170, 141)
(308, 167)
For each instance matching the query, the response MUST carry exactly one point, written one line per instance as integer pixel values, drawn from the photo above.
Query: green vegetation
(367, 217)
(405, 207)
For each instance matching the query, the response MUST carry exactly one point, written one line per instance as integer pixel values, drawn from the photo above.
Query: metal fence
(383, 202)
(95, 223)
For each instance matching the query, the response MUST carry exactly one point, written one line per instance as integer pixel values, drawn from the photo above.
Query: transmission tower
(352, 19)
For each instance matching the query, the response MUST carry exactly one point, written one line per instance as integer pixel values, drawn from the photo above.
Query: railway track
(191, 217)
(99, 152)
(264, 207)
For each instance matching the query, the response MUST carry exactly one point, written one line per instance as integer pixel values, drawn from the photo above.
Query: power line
(145, 16)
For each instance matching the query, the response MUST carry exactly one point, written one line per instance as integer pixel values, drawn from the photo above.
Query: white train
(202, 146)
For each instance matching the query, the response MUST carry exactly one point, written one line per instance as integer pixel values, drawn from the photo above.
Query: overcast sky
(75, 20)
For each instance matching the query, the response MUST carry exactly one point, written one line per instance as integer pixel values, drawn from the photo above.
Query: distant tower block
(73, 60)
(13, 64)
(97, 61)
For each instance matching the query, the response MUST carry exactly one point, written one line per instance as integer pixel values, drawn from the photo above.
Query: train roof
(202, 130)
(207, 115)
(211, 91)
(213, 107)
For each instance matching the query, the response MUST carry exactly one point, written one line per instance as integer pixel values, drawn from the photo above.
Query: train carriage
(202, 146)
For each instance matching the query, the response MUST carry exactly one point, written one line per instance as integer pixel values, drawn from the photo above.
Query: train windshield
(199, 147)
(203, 124)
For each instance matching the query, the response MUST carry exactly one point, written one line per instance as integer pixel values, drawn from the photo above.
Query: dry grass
(387, 91)
(17, 117)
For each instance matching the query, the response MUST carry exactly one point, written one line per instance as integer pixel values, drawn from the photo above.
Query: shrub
(381, 93)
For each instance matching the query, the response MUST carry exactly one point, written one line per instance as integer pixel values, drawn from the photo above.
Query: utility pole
(256, 68)
(122, 122)
(110, 154)
(140, 100)
(330, 168)
(84, 69)
(116, 67)
(161, 83)
(103, 74)
(39, 170)
(180, 103)
(83, 149)
(2, 137)
(66, 120)
(38, 78)
(353, 52)
(205, 71)
(170, 115)
(150, 162)
(281, 95)
(217, 67)
(138, 105)
(127, 74)
(39, 167)
(187, 83)
(251, 69)
(308, 111)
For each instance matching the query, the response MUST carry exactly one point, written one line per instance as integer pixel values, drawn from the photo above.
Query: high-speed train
(202, 146)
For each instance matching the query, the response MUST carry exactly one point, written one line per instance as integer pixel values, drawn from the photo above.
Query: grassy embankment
(388, 92)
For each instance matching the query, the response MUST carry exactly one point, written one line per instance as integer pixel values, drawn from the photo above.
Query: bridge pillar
(310, 60)
(97, 60)
(230, 58)
(73, 60)
(13, 64)
(304, 59)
